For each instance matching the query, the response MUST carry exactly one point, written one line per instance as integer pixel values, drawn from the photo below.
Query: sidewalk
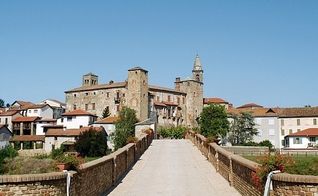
(173, 167)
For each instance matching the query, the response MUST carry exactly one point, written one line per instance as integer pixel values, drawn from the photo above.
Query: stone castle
(180, 106)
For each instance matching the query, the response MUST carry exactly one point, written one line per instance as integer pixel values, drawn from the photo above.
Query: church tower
(197, 71)
(90, 79)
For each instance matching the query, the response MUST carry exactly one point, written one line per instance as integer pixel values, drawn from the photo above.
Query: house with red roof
(302, 139)
(56, 137)
(7, 117)
(76, 119)
(207, 101)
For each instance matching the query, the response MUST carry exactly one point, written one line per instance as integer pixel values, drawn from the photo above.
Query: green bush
(5, 153)
(173, 132)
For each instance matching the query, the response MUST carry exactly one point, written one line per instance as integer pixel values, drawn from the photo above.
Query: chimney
(177, 84)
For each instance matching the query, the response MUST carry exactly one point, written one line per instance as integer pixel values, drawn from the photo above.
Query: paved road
(173, 167)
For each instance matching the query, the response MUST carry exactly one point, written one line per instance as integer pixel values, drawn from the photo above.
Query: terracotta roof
(25, 119)
(78, 112)
(1, 125)
(47, 120)
(255, 111)
(35, 106)
(108, 120)
(24, 103)
(214, 100)
(306, 132)
(24, 138)
(8, 113)
(298, 112)
(53, 126)
(250, 105)
(159, 104)
(69, 132)
(98, 87)
(170, 103)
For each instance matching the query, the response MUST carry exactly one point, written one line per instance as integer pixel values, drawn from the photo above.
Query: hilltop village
(52, 122)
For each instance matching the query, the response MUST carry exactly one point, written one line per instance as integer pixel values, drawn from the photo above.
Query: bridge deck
(173, 167)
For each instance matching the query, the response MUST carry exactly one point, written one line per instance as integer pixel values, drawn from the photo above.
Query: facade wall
(56, 141)
(293, 125)
(75, 122)
(268, 128)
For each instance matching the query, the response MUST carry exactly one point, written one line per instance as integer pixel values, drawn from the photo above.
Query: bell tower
(197, 71)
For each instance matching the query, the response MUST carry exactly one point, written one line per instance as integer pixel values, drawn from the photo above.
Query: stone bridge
(159, 167)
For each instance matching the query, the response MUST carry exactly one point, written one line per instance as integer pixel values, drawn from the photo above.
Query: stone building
(180, 106)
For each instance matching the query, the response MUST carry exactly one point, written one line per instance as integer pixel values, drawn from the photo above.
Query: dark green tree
(92, 143)
(242, 128)
(105, 113)
(213, 121)
(8, 152)
(124, 127)
(2, 103)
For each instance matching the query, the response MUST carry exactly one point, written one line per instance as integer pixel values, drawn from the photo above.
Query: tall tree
(91, 143)
(213, 121)
(1, 103)
(242, 128)
(105, 113)
(124, 127)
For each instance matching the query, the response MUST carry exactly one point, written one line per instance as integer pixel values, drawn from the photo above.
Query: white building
(109, 125)
(76, 119)
(302, 139)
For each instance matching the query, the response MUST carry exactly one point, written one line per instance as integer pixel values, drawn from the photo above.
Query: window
(157, 98)
(282, 132)
(69, 118)
(314, 121)
(123, 94)
(298, 130)
(35, 111)
(62, 119)
(74, 95)
(283, 142)
(298, 122)
(117, 107)
(282, 122)
(178, 100)
(107, 94)
(183, 100)
(271, 132)
(86, 94)
(297, 140)
(258, 121)
(93, 106)
(259, 132)
(30, 111)
(86, 106)
(290, 131)
(312, 139)
(194, 94)
(74, 107)
(169, 98)
(271, 122)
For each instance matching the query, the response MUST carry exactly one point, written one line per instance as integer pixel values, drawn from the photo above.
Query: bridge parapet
(237, 170)
(95, 178)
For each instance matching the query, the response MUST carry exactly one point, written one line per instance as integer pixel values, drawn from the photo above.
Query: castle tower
(138, 92)
(193, 87)
(197, 70)
(90, 79)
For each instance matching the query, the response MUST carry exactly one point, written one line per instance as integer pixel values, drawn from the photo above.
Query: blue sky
(265, 52)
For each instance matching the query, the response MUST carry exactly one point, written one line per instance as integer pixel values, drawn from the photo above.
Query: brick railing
(237, 171)
(96, 177)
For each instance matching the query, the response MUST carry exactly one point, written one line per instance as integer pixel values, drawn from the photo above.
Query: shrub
(131, 139)
(173, 132)
(270, 162)
(6, 153)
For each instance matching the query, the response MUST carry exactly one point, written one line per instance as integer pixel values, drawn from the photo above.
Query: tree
(105, 113)
(124, 127)
(1, 103)
(91, 143)
(213, 121)
(242, 128)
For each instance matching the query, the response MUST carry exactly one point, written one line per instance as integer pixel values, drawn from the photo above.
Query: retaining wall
(96, 177)
(237, 171)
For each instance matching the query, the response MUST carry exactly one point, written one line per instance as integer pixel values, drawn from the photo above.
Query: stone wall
(237, 170)
(95, 177)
